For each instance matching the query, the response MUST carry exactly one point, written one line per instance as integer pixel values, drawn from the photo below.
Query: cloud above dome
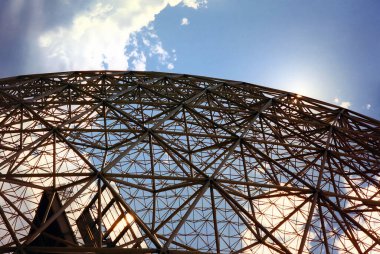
(103, 36)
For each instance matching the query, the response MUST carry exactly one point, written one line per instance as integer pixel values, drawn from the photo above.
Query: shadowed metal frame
(187, 163)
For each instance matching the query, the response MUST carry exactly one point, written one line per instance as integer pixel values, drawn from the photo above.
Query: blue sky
(325, 49)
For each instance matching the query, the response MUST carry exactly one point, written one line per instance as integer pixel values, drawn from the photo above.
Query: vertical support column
(99, 220)
(54, 160)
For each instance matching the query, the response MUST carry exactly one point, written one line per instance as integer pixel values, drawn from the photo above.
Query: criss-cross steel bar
(148, 162)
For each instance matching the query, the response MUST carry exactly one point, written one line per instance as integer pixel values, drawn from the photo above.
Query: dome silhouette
(148, 162)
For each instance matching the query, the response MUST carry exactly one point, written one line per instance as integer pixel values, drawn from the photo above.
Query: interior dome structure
(148, 162)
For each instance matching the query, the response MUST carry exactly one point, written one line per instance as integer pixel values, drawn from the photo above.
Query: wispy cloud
(145, 45)
(195, 4)
(185, 22)
(139, 62)
(368, 106)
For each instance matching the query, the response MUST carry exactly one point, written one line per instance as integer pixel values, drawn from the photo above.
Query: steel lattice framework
(144, 162)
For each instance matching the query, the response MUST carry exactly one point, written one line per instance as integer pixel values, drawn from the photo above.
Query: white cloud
(103, 32)
(185, 22)
(345, 104)
(368, 106)
(170, 66)
(195, 4)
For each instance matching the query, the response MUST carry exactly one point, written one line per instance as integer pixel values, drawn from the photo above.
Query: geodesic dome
(144, 162)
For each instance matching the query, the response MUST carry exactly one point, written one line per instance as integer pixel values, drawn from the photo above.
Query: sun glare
(126, 221)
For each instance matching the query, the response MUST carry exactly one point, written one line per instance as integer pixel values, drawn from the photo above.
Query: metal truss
(144, 162)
